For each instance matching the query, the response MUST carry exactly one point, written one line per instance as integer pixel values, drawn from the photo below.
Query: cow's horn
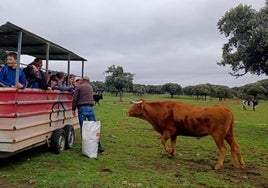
(136, 102)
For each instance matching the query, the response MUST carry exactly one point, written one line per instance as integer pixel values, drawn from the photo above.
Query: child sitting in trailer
(8, 73)
(53, 83)
(70, 81)
(61, 83)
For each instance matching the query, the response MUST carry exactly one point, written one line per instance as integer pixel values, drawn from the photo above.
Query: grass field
(134, 156)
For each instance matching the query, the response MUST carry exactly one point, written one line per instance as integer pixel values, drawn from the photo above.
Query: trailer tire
(58, 141)
(70, 136)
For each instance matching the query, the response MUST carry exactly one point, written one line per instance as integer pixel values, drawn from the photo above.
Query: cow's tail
(230, 131)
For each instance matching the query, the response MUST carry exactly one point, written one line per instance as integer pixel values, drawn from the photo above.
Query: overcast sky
(159, 41)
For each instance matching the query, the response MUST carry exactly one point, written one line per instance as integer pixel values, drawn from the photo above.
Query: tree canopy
(247, 48)
(172, 89)
(2, 56)
(117, 80)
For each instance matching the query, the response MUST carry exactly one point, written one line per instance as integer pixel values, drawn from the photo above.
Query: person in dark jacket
(83, 101)
(36, 78)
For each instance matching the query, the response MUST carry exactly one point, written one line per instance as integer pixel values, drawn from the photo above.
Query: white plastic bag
(90, 138)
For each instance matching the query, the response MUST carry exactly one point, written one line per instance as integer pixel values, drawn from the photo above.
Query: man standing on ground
(83, 101)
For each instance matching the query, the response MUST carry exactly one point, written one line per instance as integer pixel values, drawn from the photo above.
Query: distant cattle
(252, 103)
(172, 119)
(97, 98)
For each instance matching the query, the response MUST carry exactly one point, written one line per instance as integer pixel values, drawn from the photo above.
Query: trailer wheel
(70, 136)
(58, 141)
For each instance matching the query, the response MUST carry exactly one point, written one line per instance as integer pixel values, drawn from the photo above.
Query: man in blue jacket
(8, 73)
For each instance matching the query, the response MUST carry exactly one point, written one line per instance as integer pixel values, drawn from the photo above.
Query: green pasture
(134, 156)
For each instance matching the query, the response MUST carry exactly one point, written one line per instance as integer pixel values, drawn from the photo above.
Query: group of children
(32, 76)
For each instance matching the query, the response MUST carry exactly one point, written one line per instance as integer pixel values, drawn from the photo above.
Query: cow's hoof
(217, 167)
(171, 156)
(242, 166)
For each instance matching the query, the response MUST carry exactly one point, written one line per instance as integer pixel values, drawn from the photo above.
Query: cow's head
(136, 110)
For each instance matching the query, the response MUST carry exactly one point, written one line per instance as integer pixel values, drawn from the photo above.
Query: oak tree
(247, 48)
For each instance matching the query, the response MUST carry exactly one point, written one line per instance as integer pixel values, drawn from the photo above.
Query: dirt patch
(21, 184)
(251, 175)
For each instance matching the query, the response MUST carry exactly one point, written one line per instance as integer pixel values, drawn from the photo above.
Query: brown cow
(171, 119)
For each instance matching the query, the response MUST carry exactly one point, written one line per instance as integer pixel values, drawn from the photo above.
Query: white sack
(90, 138)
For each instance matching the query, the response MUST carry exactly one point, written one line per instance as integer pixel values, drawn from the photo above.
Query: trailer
(33, 117)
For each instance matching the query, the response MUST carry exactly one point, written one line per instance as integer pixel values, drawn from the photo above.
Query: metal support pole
(18, 57)
(68, 68)
(47, 57)
(83, 64)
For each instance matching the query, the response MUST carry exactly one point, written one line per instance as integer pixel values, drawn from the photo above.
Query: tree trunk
(121, 96)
